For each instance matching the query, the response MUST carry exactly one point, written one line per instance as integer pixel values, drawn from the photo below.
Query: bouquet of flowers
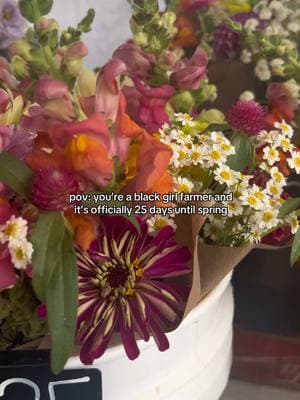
(98, 230)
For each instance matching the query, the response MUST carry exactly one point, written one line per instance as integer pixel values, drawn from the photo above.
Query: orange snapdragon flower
(186, 37)
(90, 157)
(84, 229)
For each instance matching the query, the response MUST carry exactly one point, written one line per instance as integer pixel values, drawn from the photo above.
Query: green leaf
(244, 153)
(289, 206)
(295, 252)
(46, 239)
(26, 9)
(45, 6)
(55, 282)
(216, 127)
(32, 10)
(86, 24)
(62, 299)
(15, 174)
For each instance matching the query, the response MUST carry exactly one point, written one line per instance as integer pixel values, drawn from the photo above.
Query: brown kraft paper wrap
(210, 264)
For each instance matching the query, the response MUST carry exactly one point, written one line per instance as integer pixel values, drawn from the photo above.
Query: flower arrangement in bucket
(125, 197)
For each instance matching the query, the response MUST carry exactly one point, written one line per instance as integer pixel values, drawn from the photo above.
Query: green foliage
(72, 35)
(151, 30)
(32, 10)
(55, 282)
(289, 206)
(15, 174)
(19, 320)
(295, 252)
(244, 153)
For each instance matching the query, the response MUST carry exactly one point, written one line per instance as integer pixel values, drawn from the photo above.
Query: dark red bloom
(122, 287)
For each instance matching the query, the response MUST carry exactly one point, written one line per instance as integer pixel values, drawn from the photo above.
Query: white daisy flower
(284, 143)
(21, 253)
(212, 231)
(223, 174)
(183, 185)
(285, 128)
(215, 156)
(184, 119)
(158, 222)
(248, 198)
(271, 155)
(277, 176)
(15, 228)
(274, 189)
(292, 220)
(267, 219)
(235, 208)
(294, 162)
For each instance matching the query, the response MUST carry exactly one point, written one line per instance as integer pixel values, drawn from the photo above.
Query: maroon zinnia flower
(247, 117)
(122, 288)
(52, 187)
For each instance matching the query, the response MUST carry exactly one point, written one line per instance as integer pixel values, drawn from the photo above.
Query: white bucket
(196, 367)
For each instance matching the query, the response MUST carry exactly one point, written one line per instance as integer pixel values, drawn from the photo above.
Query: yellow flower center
(20, 254)
(159, 224)
(226, 175)
(267, 216)
(11, 230)
(215, 155)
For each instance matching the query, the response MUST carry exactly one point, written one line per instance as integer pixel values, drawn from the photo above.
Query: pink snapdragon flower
(54, 98)
(147, 105)
(137, 61)
(189, 73)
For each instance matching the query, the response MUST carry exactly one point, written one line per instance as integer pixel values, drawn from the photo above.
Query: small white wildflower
(267, 219)
(21, 253)
(251, 25)
(223, 174)
(294, 162)
(292, 220)
(284, 143)
(271, 155)
(246, 56)
(274, 189)
(158, 222)
(262, 70)
(184, 119)
(15, 228)
(234, 208)
(285, 128)
(277, 176)
(265, 13)
(183, 185)
(247, 95)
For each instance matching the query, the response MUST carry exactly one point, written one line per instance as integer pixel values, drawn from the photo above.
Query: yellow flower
(236, 6)
(86, 85)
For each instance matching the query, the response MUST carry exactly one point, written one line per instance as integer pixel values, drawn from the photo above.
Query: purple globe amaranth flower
(247, 117)
(122, 287)
(226, 42)
(52, 187)
(12, 24)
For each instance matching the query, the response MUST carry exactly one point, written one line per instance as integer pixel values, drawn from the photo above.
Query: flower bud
(19, 67)
(183, 102)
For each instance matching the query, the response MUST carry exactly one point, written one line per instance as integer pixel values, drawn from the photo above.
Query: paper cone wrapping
(210, 264)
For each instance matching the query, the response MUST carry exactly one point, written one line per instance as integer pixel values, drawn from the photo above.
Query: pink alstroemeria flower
(122, 287)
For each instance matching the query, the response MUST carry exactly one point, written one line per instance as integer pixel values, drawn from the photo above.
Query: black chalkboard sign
(27, 376)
